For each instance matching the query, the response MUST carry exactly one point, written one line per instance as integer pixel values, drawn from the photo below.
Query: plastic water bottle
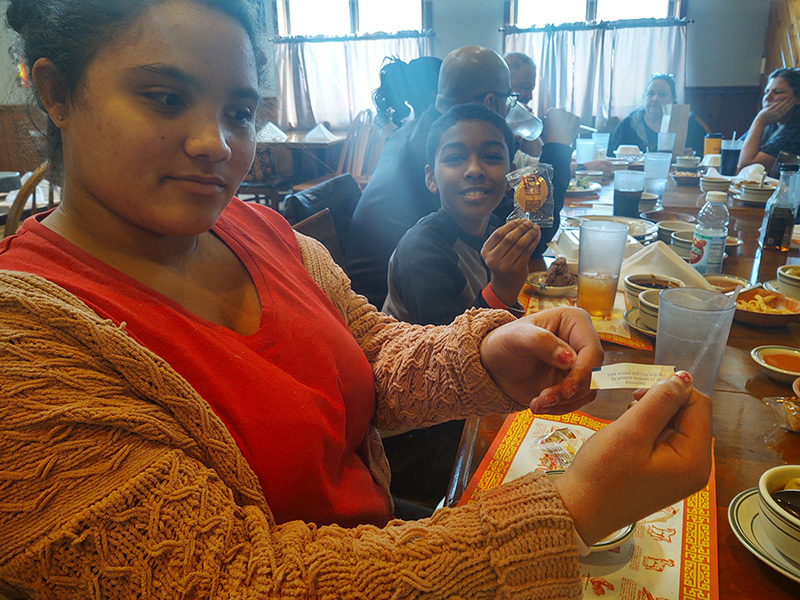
(781, 212)
(708, 245)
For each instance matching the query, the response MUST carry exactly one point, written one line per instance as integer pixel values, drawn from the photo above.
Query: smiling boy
(462, 256)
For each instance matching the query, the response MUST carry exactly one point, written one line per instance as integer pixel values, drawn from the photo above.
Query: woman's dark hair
(668, 79)
(466, 112)
(403, 85)
(71, 33)
(791, 76)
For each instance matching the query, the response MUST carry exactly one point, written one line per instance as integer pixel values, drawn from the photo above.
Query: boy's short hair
(466, 112)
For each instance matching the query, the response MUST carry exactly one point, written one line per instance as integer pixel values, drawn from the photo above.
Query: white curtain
(600, 72)
(331, 81)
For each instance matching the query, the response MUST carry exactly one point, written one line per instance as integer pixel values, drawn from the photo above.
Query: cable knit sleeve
(118, 481)
(423, 374)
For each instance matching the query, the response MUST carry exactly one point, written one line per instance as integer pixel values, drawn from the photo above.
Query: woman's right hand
(657, 453)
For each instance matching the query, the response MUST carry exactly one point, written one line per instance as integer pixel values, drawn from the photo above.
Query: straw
(707, 342)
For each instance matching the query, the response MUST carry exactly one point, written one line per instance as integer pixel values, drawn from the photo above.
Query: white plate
(550, 291)
(594, 188)
(746, 524)
(631, 317)
(638, 228)
(732, 242)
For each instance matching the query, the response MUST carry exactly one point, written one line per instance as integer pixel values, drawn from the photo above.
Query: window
(347, 17)
(537, 13)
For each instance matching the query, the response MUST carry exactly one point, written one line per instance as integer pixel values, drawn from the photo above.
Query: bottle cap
(717, 197)
(789, 167)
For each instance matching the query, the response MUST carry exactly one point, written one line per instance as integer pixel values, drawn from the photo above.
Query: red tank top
(297, 395)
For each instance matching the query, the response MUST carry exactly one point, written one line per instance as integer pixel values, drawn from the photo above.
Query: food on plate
(792, 271)
(685, 174)
(558, 274)
(763, 304)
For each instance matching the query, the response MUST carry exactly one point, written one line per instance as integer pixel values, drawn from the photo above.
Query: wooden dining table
(747, 440)
(299, 146)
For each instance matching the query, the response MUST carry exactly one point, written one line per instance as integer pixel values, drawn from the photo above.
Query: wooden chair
(28, 189)
(320, 227)
(360, 153)
(263, 181)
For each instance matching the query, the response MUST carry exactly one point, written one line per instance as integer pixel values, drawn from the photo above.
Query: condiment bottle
(712, 144)
(708, 244)
(780, 212)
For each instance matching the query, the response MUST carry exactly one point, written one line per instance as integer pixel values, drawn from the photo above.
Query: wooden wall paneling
(725, 109)
(782, 48)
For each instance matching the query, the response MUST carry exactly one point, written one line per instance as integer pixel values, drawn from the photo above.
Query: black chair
(263, 181)
(340, 195)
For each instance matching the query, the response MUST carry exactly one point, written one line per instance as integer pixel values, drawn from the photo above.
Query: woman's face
(657, 94)
(777, 89)
(161, 132)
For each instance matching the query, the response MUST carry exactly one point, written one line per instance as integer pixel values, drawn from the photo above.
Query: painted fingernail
(685, 377)
(565, 357)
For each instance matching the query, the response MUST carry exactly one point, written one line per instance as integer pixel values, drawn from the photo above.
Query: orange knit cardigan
(118, 481)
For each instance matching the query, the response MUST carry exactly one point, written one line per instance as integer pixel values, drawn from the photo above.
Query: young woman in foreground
(190, 391)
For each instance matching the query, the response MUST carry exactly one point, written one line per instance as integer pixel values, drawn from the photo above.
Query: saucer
(746, 525)
(631, 317)
(771, 286)
(749, 199)
(615, 539)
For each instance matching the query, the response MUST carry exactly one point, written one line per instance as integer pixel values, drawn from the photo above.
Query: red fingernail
(684, 377)
(565, 357)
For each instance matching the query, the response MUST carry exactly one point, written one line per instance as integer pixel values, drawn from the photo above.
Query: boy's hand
(506, 253)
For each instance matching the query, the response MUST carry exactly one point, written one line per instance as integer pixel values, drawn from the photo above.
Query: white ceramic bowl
(665, 229)
(682, 242)
(781, 528)
(774, 300)
(714, 184)
(755, 193)
(726, 283)
(636, 283)
(789, 280)
(766, 357)
(648, 308)
(628, 150)
(687, 161)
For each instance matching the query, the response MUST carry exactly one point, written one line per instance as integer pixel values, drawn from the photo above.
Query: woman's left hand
(776, 112)
(545, 360)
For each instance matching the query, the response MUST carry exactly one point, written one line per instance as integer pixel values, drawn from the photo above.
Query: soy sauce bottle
(780, 212)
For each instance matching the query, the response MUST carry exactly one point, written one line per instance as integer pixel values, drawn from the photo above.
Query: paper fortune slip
(628, 376)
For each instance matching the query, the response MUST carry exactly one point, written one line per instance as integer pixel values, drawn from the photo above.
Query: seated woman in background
(189, 390)
(405, 87)
(776, 127)
(641, 127)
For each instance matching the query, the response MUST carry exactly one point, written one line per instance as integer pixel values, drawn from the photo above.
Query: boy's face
(470, 173)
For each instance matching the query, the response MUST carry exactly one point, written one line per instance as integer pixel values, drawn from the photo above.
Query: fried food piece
(558, 274)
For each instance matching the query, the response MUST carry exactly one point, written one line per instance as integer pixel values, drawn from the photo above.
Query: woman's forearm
(752, 144)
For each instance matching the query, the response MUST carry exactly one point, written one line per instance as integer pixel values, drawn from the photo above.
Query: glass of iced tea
(600, 254)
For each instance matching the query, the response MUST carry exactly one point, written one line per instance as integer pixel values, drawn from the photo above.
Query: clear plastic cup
(584, 151)
(600, 252)
(693, 327)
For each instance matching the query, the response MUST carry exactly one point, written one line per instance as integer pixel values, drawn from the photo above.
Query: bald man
(397, 197)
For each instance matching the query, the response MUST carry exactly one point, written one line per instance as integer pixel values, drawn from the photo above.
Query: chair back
(320, 226)
(783, 158)
(27, 191)
(340, 195)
